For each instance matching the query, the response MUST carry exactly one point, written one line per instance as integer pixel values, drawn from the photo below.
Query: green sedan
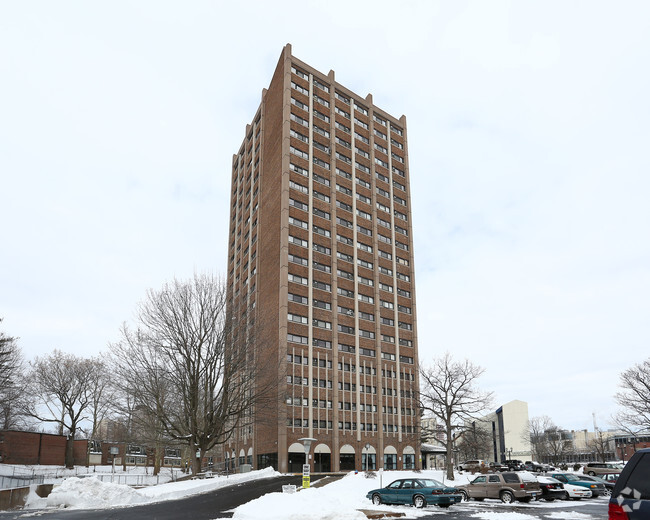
(415, 491)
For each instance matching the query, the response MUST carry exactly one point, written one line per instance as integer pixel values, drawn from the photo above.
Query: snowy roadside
(340, 500)
(91, 493)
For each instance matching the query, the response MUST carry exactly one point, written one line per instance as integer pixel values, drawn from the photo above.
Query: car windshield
(429, 482)
(527, 477)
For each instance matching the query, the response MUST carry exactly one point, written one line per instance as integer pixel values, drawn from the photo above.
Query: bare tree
(559, 444)
(101, 393)
(601, 445)
(475, 441)
(536, 433)
(60, 390)
(449, 392)
(193, 368)
(634, 397)
(11, 368)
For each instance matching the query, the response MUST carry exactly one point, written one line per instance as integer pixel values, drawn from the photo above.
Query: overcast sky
(529, 139)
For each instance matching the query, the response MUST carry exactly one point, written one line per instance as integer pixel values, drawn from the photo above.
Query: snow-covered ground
(339, 500)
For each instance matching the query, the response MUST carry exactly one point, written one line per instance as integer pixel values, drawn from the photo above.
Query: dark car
(496, 466)
(609, 486)
(415, 491)
(507, 486)
(630, 499)
(551, 488)
(597, 488)
(514, 465)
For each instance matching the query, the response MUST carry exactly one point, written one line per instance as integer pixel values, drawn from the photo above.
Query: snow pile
(340, 500)
(92, 493)
(86, 493)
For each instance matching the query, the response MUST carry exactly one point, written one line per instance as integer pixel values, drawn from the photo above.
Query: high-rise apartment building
(321, 257)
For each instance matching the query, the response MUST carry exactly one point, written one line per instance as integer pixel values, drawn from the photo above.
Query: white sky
(528, 144)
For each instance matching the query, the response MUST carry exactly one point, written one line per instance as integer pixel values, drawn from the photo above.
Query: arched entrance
(242, 457)
(390, 458)
(346, 458)
(296, 457)
(322, 459)
(408, 458)
(249, 457)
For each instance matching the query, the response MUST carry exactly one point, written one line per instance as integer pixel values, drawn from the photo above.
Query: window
(345, 292)
(380, 147)
(363, 153)
(297, 318)
(298, 204)
(299, 136)
(300, 73)
(385, 255)
(298, 169)
(405, 326)
(322, 101)
(387, 321)
(387, 338)
(364, 298)
(321, 213)
(298, 241)
(345, 240)
(322, 305)
(343, 205)
(343, 158)
(366, 281)
(297, 259)
(405, 342)
(379, 120)
(321, 163)
(321, 85)
(321, 131)
(343, 256)
(364, 230)
(298, 152)
(364, 247)
(363, 183)
(364, 263)
(322, 286)
(321, 231)
(345, 329)
(361, 123)
(343, 189)
(366, 316)
(340, 96)
(361, 109)
(345, 274)
(361, 138)
(297, 279)
(321, 267)
(293, 338)
(299, 104)
(342, 127)
(387, 304)
(382, 192)
(343, 173)
(321, 116)
(366, 334)
(344, 222)
(321, 196)
(396, 130)
(322, 344)
(344, 143)
(298, 222)
(342, 112)
(321, 179)
(297, 298)
(362, 168)
(345, 310)
(384, 287)
(322, 324)
(322, 147)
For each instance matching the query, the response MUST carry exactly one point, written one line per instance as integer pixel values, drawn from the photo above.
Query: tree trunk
(69, 451)
(156, 459)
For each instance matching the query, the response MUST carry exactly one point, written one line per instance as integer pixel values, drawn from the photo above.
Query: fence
(7, 482)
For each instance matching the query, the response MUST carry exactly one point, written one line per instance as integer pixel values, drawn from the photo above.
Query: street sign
(305, 476)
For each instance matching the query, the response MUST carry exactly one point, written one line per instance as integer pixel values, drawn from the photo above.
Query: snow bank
(340, 500)
(92, 493)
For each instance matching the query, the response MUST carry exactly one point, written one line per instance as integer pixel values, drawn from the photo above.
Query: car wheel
(419, 502)
(592, 473)
(376, 499)
(465, 495)
(507, 497)
(608, 492)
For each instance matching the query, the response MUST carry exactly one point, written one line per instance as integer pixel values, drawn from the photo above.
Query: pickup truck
(507, 487)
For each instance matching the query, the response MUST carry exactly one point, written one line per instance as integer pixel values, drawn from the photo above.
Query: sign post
(305, 476)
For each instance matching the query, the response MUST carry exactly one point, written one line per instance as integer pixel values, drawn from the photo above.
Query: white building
(509, 426)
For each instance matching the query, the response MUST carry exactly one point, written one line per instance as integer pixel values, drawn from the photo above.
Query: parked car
(536, 467)
(600, 468)
(596, 488)
(630, 499)
(609, 486)
(573, 492)
(472, 465)
(610, 477)
(507, 486)
(514, 465)
(496, 466)
(551, 488)
(419, 492)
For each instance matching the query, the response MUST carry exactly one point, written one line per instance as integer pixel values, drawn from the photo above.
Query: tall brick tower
(321, 257)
